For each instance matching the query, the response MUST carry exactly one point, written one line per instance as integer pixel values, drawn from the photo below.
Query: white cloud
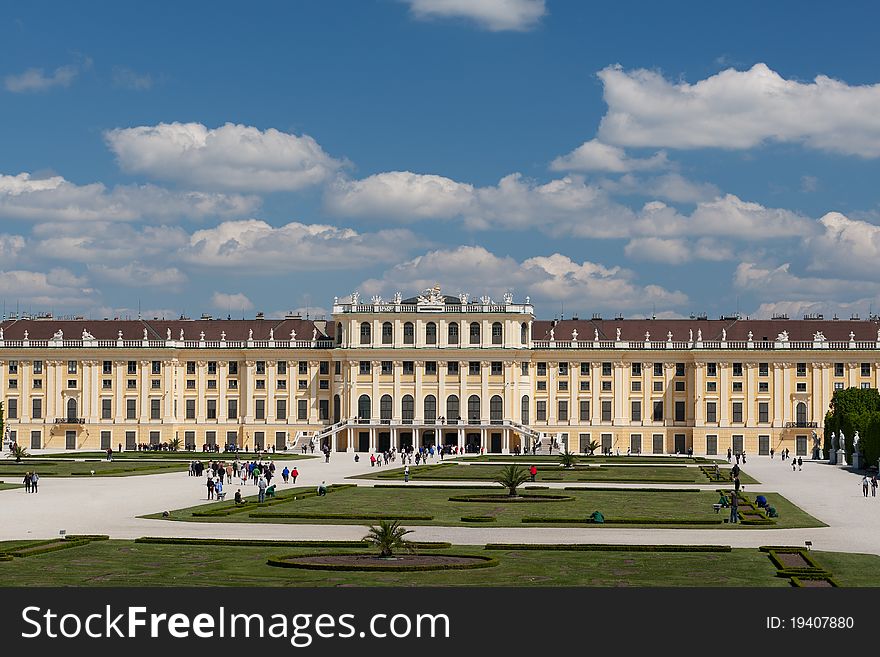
(846, 247)
(231, 301)
(798, 308)
(769, 282)
(56, 199)
(255, 245)
(236, 157)
(400, 195)
(102, 242)
(35, 79)
(669, 187)
(593, 155)
(738, 110)
(10, 247)
(494, 15)
(136, 274)
(676, 251)
(58, 287)
(544, 278)
(128, 79)
(809, 184)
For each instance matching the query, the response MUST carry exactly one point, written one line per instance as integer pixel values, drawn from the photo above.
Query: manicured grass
(125, 563)
(176, 456)
(69, 468)
(554, 458)
(672, 474)
(6, 486)
(850, 569)
(435, 503)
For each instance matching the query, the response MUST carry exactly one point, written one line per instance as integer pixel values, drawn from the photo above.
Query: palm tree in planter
(593, 446)
(18, 453)
(511, 477)
(567, 459)
(174, 444)
(388, 537)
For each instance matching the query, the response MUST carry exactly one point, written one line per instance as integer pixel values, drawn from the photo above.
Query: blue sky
(630, 158)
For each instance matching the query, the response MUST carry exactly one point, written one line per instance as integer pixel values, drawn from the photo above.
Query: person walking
(35, 478)
(736, 484)
(294, 474)
(210, 485)
(874, 486)
(406, 473)
(533, 471)
(734, 508)
(728, 454)
(262, 485)
(865, 484)
(771, 452)
(285, 474)
(800, 462)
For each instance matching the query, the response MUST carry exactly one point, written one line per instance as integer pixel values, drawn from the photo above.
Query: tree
(388, 537)
(593, 446)
(567, 459)
(851, 410)
(18, 453)
(174, 444)
(511, 477)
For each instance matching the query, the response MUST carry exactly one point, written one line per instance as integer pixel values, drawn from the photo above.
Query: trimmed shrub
(58, 545)
(87, 537)
(624, 521)
(600, 547)
(799, 580)
(481, 562)
(339, 516)
(5, 557)
(506, 499)
(478, 518)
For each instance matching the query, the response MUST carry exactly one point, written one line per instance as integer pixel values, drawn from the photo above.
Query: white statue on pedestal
(272, 334)
(181, 335)
(223, 336)
(690, 335)
(647, 336)
(818, 336)
(292, 335)
(833, 443)
(145, 334)
(250, 334)
(852, 336)
(856, 442)
(750, 336)
(618, 334)
(699, 335)
(842, 441)
(552, 336)
(314, 334)
(59, 335)
(118, 335)
(782, 337)
(669, 336)
(595, 335)
(25, 334)
(201, 336)
(87, 336)
(168, 333)
(574, 335)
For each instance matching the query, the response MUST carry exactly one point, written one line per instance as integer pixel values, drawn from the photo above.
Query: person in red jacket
(533, 471)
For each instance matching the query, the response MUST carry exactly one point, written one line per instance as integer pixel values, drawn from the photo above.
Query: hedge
(802, 552)
(501, 498)
(339, 516)
(798, 580)
(601, 547)
(87, 537)
(60, 545)
(482, 562)
(624, 521)
(478, 518)
(5, 557)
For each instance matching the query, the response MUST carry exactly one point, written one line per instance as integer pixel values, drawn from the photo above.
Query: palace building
(432, 369)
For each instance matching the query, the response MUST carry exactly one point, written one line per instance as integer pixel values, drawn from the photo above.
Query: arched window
(475, 332)
(524, 333)
(365, 333)
(473, 409)
(430, 333)
(524, 416)
(453, 412)
(408, 408)
(801, 413)
(71, 409)
(497, 333)
(385, 406)
(364, 407)
(387, 333)
(430, 409)
(338, 333)
(496, 410)
(409, 333)
(452, 332)
(337, 409)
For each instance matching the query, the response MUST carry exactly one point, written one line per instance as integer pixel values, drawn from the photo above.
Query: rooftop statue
(168, 333)
(59, 335)
(782, 337)
(87, 336)
(818, 336)
(618, 334)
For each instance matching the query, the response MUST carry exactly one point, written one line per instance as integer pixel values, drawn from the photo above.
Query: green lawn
(554, 458)
(174, 456)
(125, 563)
(6, 485)
(10, 470)
(434, 502)
(669, 474)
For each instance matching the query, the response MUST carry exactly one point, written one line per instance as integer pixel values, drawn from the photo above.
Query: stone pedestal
(857, 461)
(841, 458)
(821, 455)
(832, 457)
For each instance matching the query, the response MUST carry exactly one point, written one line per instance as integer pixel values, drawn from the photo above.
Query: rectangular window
(156, 367)
(801, 369)
(563, 369)
(13, 367)
(281, 384)
(763, 369)
(232, 409)
(261, 367)
(606, 386)
(281, 409)
(606, 369)
(474, 368)
(711, 412)
(190, 409)
(711, 369)
(156, 384)
(763, 412)
(106, 409)
(324, 384)
(712, 445)
(658, 411)
(302, 384)
(190, 367)
(364, 367)
(431, 367)
(212, 384)
(802, 387)
(71, 367)
(585, 384)
(233, 367)
(838, 369)
(107, 367)
(657, 386)
(838, 385)
(679, 411)
(737, 412)
(542, 369)
(212, 367)
(260, 409)
(12, 409)
(233, 383)
(866, 369)
(737, 369)
(37, 408)
(302, 409)
(541, 411)
(131, 409)
(658, 369)
(303, 367)
(636, 369)
(190, 384)
(606, 410)
(636, 386)
(452, 367)
(763, 386)
(737, 386)
(679, 386)
(387, 367)
(38, 384)
(38, 367)
(281, 367)
(562, 408)
(679, 369)
(711, 386)
(323, 409)
(212, 409)
(496, 368)
(155, 409)
(585, 410)
(865, 386)
(106, 384)
(635, 443)
(525, 369)
(636, 411)
(337, 368)
(585, 369)
(132, 367)
(409, 367)
(563, 386)
(542, 385)
(71, 383)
